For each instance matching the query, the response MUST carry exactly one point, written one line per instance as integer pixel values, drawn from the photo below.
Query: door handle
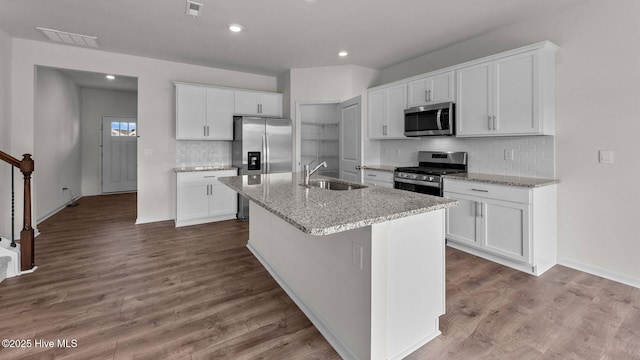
(358, 167)
(268, 154)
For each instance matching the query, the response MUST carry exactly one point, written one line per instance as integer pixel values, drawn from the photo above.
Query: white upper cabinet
(431, 89)
(508, 94)
(386, 107)
(203, 112)
(258, 103)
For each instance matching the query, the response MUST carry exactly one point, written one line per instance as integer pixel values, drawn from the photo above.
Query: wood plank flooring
(152, 291)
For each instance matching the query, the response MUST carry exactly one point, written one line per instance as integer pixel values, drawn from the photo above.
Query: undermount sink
(334, 185)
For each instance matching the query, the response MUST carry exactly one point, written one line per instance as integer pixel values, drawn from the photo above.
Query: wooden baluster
(26, 235)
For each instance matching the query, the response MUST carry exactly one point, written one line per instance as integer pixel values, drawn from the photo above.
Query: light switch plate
(605, 156)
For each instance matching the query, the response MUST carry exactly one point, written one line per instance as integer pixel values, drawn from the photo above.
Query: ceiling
(278, 35)
(92, 80)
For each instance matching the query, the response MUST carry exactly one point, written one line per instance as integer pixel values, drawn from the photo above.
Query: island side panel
(415, 280)
(321, 275)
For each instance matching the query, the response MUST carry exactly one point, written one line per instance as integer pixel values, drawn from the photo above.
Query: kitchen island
(366, 265)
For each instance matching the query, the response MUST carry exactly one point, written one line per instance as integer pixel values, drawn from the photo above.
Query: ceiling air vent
(193, 8)
(70, 38)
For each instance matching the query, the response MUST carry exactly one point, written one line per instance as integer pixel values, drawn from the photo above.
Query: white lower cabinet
(201, 198)
(514, 226)
(378, 178)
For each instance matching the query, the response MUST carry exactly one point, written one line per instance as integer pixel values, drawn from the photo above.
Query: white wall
(334, 83)
(95, 104)
(57, 147)
(156, 108)
(5, 134)
(597, 92)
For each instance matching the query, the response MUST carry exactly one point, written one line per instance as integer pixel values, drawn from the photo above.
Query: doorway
(318, 131)
(119, 154)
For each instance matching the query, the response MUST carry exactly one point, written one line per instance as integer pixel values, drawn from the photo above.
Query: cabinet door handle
(204, 131)
(426, 96)
(495, 123)
(477, 210)
(371, 175)
(481, 190)
(481, 209)
(429, 95)
(358, 167)
(209, 176)
(490, 122)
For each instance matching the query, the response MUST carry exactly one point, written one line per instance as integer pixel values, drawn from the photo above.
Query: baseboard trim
(594, 270)
(340, 347)
(57, 210)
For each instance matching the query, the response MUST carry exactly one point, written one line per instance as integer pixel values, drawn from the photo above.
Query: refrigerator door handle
(263, 159)
(268, 161)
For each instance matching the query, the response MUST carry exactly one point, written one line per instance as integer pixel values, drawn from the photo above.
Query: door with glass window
(119, 154)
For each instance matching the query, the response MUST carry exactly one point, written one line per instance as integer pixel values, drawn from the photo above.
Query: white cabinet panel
(508, 95)
(378, 178)
(201, 198)
(474, 100)
(431, 89)
(516, 96)
(258, 103)
(462, 220)
(203, 112)
(386, 112)
(191, 108)
(506, 229)
(194, 202)
(220, 114)
(504, 223)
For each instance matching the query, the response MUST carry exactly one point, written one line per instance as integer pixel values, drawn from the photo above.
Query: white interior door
(119, 154)
(351, 139)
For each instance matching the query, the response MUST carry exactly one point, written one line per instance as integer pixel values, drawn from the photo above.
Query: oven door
(429, 188)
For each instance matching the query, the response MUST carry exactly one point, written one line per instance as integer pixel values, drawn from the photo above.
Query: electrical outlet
(605, 156)
(356, 255)
(508, 154)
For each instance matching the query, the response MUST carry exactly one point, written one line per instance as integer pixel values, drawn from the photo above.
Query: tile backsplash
(533, 156)
(203, 153)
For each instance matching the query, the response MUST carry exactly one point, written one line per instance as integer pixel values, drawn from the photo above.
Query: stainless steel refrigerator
(260, 146)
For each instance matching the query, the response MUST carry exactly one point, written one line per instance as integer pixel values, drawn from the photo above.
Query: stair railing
(26, 166)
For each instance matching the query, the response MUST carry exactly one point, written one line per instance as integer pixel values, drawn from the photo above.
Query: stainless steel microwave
(430, 120)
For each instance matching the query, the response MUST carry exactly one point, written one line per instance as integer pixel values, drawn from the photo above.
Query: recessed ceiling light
(343, 53)
(110, 77)
(235, 27)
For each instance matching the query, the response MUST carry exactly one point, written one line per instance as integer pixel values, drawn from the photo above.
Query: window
(123, 128)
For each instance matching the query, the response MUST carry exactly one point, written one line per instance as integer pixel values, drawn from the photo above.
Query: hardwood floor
(152, 291)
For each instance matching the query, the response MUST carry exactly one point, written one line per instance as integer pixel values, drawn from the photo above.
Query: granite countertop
(204, 168)
(322, 212)
(517, 181)
(388, 168)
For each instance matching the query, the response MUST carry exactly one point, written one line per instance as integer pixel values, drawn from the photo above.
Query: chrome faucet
(307, 173)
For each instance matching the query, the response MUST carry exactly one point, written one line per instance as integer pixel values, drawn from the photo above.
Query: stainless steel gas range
(426, 177)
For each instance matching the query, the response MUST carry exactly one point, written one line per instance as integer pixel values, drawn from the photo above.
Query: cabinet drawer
(378, 176)
(209, 176)
(471, 188)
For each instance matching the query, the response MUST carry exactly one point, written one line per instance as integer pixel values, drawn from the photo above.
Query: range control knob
(430, 178)
(423, 177)
(414, 176)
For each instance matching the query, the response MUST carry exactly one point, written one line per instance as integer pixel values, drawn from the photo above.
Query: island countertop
(322, 212)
